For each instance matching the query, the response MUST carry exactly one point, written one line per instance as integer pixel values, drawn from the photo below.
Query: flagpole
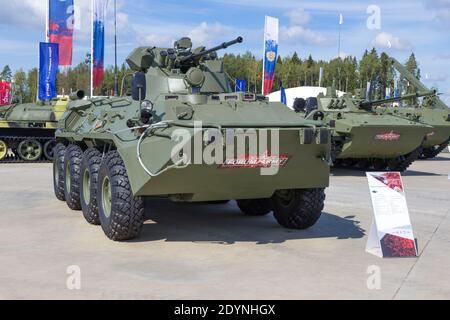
(339, 42)
(264, 56)
(341, 21)
(92, 49)
(116, 79)
(47, 23)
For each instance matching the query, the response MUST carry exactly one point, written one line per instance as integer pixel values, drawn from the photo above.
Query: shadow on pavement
(357, 173)
(413, 173)
(438, 159)
(225, 224)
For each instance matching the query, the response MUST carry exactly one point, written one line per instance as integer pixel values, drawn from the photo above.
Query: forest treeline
(345, 74)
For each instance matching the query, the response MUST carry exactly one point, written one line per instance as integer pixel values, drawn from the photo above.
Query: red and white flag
(5, 93)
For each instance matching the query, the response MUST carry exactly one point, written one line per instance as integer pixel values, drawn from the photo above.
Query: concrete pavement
(189, 251)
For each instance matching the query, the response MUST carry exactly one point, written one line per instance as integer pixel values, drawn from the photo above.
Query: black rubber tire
(72, 162)
(90, 163)
(58, 171)
(303, 211)
(49, 148)
(127, 212)
(255, 207)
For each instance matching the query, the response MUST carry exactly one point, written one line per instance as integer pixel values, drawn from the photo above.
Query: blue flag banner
(283, 96)
(48, 70)
(241, 85)
(98, 50)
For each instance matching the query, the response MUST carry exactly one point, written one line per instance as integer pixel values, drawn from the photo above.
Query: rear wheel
(30, 150)
(298, 209)
(3, 150)
(121, 214)
(72, 173)
(58, 171)
(49, 146)
(90, 165)
(255, 207)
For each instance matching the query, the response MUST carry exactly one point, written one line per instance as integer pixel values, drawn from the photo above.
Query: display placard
(391, 234)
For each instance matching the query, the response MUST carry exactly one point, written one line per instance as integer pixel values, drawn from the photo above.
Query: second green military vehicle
(362, 139)
(430, 111)
(27, 131)
(186, 136)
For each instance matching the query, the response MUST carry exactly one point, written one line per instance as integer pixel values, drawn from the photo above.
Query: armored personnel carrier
(429, 111)
(27, 131)
(186, 136)
(362, 139)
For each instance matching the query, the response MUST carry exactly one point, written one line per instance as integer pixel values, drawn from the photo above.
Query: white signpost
(391, 234)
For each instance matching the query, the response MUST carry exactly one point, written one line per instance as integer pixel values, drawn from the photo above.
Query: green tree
(6, 74)
(21, 91)
(32, 84)
(413, 66)
(386, 74)
(295, 59)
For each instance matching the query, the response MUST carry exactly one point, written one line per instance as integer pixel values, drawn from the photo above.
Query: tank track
(400, 164)
(406, 161)
(13, 157)
(431, 153)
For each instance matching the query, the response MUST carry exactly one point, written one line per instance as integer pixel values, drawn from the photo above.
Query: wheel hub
(3, 149)
(87, 187)
(286, 197)
(106, 197)
(68, 179)
(30, 150)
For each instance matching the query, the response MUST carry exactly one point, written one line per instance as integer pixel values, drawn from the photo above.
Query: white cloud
(342, 55)
(31, 14)
(389, 41)
(299, 17)
(300, 34)
(441, 9)
(206, 34)
(443, 56)
(26, 13)
(435, 77)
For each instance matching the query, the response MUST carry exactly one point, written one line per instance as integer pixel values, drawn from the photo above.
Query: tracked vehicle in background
(27, 131)
(113, 152)
(430, 111)
(362, 139)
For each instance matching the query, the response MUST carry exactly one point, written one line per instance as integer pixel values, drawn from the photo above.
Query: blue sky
(306, 26)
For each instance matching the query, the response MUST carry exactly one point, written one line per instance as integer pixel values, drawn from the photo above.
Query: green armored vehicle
(186, 136)
(430, 111)
(27, 131)
(362, 139)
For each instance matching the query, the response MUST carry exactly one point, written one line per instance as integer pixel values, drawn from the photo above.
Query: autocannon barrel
(78, 95)
(206, 52)
(370, 104)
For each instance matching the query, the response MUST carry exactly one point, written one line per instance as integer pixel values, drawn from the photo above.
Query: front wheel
(121, 214)
(298, 209)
